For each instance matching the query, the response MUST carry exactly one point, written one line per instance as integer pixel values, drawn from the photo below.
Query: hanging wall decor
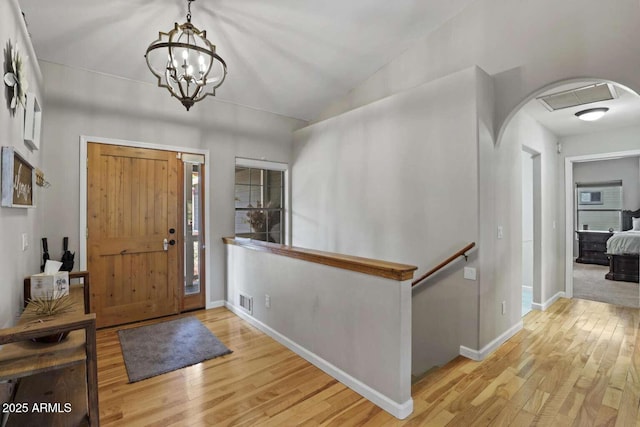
(32, 121)
(17, 180)
(14, 78)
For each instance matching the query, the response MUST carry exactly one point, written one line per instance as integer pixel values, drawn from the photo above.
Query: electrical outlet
(504, 308)
(267, 301)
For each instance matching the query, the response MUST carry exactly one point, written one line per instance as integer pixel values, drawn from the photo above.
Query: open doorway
(531, 257)
(560, 111)
(527, 232)
(601, 189)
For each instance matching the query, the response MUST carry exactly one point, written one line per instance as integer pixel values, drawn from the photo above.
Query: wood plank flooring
(577, 364)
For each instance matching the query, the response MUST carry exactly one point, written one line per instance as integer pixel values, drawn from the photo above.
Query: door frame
(85, 139)
(570, 207)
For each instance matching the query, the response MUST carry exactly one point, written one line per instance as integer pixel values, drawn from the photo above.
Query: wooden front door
(132, 207)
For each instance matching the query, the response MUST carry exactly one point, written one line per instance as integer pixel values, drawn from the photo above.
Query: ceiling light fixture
(591, 114)
(186, 63)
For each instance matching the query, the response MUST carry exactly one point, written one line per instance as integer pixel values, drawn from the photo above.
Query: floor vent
(246, 303)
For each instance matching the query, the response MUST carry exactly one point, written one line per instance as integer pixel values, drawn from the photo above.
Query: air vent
(246, 303)
(580, 96)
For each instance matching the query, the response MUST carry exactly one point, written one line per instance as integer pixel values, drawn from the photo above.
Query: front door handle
(165, 244)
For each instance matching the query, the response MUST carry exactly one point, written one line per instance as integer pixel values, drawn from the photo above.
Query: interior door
(133, 233)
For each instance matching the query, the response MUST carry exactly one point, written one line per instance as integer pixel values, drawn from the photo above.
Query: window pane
(274, 178)
(242, 224)
(256, 197)
(599, 220)
(275, 226)
(195, 200)
(256, 177)
(257, 220)
(243, 196)
(243, 176)
(273, 198)
(599, 198)
(274, 189)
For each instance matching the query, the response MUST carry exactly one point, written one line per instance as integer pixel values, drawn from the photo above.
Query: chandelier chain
(189, 10)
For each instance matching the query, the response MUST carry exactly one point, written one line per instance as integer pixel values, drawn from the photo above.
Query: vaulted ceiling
(290, 57)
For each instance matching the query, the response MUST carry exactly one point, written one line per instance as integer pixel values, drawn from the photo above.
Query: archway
(557, 219)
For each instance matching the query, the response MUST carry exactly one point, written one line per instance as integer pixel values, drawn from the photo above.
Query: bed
(623, 250)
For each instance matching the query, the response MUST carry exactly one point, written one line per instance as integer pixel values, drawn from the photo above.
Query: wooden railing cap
(386, 269)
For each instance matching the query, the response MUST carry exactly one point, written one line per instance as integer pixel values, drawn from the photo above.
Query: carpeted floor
(589, 283)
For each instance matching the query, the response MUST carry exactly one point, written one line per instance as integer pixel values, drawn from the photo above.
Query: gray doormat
(164, 347)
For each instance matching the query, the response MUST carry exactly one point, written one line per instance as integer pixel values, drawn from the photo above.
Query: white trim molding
(547, 303)
(215, 304)
(480, 355)
(398, 410)
(261, 164)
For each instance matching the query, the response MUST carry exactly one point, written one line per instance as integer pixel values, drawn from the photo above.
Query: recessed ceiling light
(591, 114)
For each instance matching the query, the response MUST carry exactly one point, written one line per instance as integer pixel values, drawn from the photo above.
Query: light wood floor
(575, 364)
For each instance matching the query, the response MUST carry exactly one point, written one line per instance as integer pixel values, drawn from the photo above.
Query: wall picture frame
(18, 177)
(32, 121)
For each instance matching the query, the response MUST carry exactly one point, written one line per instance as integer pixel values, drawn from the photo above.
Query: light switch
(470, 273)
(500, 232)
(25, 242)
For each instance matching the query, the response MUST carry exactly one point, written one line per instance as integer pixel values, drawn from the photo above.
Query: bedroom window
(599, 206)
(259, 201)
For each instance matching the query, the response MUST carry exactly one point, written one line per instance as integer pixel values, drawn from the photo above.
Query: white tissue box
(51, 286)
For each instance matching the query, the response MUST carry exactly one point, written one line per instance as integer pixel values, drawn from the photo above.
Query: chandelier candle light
(186, 63)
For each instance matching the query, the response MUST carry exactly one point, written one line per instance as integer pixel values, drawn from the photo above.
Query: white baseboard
(398, 410)
(548, 303)
(480, 355)
(215, 304)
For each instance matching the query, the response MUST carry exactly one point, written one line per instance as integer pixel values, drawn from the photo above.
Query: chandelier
(186, 63)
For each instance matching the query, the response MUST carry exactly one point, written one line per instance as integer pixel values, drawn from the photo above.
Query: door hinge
(87, 232)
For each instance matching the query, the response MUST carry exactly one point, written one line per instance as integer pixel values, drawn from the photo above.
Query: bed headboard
(626, 219)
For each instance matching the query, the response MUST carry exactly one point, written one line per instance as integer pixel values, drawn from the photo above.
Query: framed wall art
(17, 180)
(32, 121)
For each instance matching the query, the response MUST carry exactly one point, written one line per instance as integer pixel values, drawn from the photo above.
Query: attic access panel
(580, 96)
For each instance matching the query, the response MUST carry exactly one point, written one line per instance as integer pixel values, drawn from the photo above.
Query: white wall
(354, 326)
(523, 132)
(15, 264)
(524, 48)
(86, 103)
(524, 45)
(397, 180)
